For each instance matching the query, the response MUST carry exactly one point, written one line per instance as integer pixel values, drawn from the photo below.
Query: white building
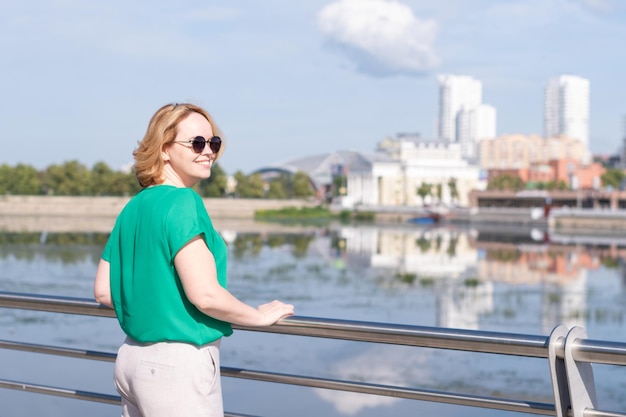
(566, 109)
(463, 118)
(401, 165)
(456, 92)
(474, 125)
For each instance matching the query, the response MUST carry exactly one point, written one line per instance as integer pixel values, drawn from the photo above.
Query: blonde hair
(162, 130)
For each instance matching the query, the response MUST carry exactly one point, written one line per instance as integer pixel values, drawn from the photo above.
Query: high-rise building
(456, 92)
(473, 125)
(463, 118)
(566, 110)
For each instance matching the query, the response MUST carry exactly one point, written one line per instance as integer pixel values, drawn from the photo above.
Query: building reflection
(467, 266)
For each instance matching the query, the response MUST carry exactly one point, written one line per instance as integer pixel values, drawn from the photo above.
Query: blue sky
(286, 79)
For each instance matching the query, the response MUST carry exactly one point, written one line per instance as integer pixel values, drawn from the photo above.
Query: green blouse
(147, 293)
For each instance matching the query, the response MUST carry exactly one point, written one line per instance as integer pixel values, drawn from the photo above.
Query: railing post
(558, 374)
(582, 387)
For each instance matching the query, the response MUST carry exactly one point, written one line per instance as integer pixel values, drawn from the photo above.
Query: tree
(215, 185)
(71, 178)
(439, 192)
(241, 183)
(257, 188)
(454, 192)
(424, 190)
(5, 174)
(276, 189)
(19, 180)
(505, 182)
(556, 185)
(613, 177)
(281, 186)
(302, 185)
(102, 178)
(125, 183)
(249, 186)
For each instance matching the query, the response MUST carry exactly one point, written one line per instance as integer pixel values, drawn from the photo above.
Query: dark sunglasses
(199, 142)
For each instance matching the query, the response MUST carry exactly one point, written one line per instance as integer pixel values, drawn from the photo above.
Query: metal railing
(568, 352)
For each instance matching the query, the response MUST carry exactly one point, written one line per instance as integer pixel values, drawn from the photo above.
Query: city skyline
(284, 80)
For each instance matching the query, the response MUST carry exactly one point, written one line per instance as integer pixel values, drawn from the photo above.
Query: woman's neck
(170, 177)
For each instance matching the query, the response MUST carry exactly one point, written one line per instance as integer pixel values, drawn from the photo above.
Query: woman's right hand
(274, 311)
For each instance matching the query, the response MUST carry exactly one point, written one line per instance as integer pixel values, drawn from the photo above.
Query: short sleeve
(106, 253)
(182, 222)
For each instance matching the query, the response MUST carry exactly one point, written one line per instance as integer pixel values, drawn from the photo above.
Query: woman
(163, 270)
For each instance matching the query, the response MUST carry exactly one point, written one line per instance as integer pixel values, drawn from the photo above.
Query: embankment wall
(97, 214)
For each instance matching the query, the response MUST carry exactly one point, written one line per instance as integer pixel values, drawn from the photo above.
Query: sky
(286, 79)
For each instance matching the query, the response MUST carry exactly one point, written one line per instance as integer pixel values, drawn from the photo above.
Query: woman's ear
(164, 153)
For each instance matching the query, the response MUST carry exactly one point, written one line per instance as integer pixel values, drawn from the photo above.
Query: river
(406, 274)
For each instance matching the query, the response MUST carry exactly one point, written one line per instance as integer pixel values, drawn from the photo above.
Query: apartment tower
(473, 125)
(567, 108)
(456, 92)
(463, 118)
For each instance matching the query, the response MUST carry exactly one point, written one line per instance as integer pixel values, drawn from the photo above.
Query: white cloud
(351, 403)
(382, 37)
(377, 364)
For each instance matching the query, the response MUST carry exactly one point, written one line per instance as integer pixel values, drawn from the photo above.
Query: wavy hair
(162, 130)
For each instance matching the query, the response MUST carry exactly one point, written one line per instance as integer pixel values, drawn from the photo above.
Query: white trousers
(169, 379)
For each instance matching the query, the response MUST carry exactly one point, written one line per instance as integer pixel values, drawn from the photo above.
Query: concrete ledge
(588, 222)
(97, 214)
(111, 206)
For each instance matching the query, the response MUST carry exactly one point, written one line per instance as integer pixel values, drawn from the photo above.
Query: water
(414, 275)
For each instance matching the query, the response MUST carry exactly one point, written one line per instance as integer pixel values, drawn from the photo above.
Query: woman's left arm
(102, 284)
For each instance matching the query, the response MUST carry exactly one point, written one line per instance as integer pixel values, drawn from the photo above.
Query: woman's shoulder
(180, 199)
(164, 198)
(170, 191)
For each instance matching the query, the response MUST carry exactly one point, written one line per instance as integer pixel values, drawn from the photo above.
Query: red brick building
(570, 171)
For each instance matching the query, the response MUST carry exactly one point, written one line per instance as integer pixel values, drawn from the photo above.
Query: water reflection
(246, 244)
(448, 277)
(67, 248)
(464, 266)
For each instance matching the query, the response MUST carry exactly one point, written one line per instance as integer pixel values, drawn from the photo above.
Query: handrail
(395, 391)
(410, 335)
(54, 304)
(571, 347)
(587, 350)
(61, 392)
(360, 387)
(76, 394)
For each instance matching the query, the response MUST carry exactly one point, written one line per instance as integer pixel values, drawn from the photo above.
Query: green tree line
(70, 178)
(73, 178)
(282, 186)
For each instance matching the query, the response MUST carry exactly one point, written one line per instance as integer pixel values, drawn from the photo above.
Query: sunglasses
(199, 142)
